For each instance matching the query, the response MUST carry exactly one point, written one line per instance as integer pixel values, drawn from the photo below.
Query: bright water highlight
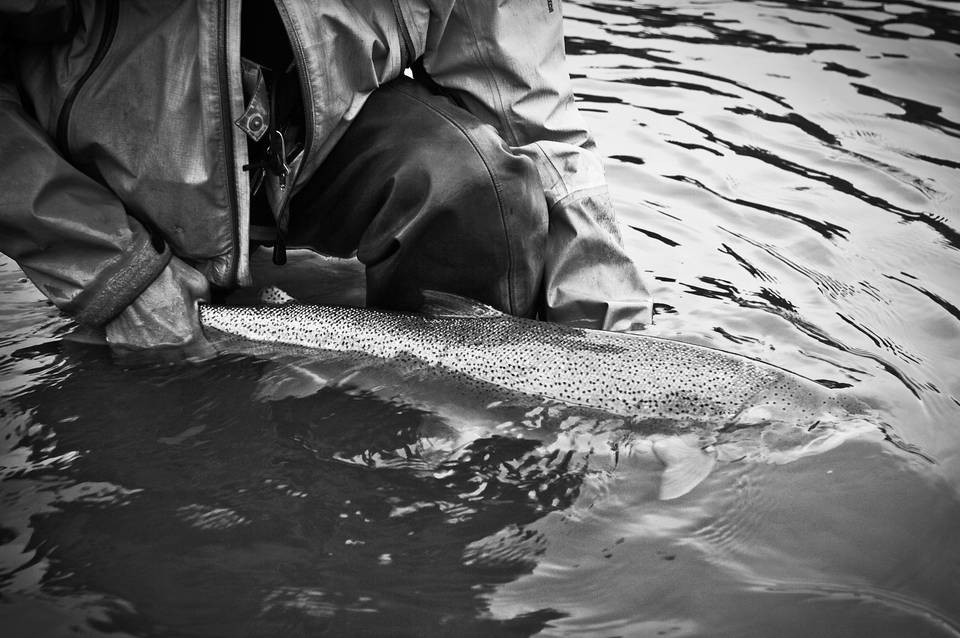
(789, 172)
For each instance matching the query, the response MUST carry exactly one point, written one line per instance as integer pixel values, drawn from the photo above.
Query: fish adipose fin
(686, 466)
(445, 304)
(273, 296)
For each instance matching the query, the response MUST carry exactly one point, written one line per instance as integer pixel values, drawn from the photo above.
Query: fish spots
(632, 376)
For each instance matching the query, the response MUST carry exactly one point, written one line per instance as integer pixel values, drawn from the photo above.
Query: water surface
(788, 173)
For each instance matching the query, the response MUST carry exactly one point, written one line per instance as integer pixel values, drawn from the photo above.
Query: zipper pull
(280, 244)
(277, 158)
(280, 169)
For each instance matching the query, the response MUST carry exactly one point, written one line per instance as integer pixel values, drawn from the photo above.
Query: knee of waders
(474, 218)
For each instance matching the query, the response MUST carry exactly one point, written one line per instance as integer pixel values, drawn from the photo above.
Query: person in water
(145, 147)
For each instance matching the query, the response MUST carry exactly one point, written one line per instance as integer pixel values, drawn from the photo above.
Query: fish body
(633, 376)
(642, 379)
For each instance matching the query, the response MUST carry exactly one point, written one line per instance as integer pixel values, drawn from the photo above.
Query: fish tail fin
(273, 296)
(686, 466)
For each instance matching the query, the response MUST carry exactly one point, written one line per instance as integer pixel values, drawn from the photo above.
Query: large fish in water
(655, 385)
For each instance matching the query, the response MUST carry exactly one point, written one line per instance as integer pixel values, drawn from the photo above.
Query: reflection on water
(788, 173)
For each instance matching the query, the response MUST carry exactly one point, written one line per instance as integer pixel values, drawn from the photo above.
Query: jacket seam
(558, 174)
(491, 78)
(406, 57)
(226, 129)
(578, 194)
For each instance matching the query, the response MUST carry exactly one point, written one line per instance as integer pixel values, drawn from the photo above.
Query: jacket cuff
(589, 280)
(123, 281)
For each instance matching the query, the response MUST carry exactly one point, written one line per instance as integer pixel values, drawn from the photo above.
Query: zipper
(281, 166)
(223, 80)
(406, 58)
(106, 39)
(110, 22)
(296, 46)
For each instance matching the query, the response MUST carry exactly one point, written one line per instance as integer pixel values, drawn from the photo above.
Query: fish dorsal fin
(273, 296)
(686, 466)
(446, 304)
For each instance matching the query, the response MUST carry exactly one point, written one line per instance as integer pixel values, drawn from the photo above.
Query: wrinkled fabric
(69, 233)
(589, 281)
(117, 147)
(151, 151)
(166, 311)
(428, 198)
(504, 63)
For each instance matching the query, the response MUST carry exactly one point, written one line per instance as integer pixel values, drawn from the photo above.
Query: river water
(789, 178)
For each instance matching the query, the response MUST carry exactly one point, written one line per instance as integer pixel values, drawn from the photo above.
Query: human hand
(165, 314)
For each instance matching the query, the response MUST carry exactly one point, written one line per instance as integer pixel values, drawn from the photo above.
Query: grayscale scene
(466, 318)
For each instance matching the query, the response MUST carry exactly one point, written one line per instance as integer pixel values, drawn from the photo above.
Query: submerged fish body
(632, 376)
(648, 381)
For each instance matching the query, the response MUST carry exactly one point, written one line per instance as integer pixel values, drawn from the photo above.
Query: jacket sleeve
(69, 234)
(504, 61)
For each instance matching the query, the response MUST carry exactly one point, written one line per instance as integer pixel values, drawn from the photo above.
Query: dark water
(790, 174)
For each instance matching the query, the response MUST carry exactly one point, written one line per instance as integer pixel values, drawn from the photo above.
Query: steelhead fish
(647, 381)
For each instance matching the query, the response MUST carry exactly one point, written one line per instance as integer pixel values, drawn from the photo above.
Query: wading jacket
(118, 142)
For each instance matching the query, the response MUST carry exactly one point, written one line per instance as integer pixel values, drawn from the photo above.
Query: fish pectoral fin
(446, 304)
(686, 466)
(273, 296)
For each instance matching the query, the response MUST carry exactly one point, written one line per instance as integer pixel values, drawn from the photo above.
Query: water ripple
(828, 229)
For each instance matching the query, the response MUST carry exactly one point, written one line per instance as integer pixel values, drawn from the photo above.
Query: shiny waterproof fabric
(121, 133)
(117, 146)
(428, 198)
